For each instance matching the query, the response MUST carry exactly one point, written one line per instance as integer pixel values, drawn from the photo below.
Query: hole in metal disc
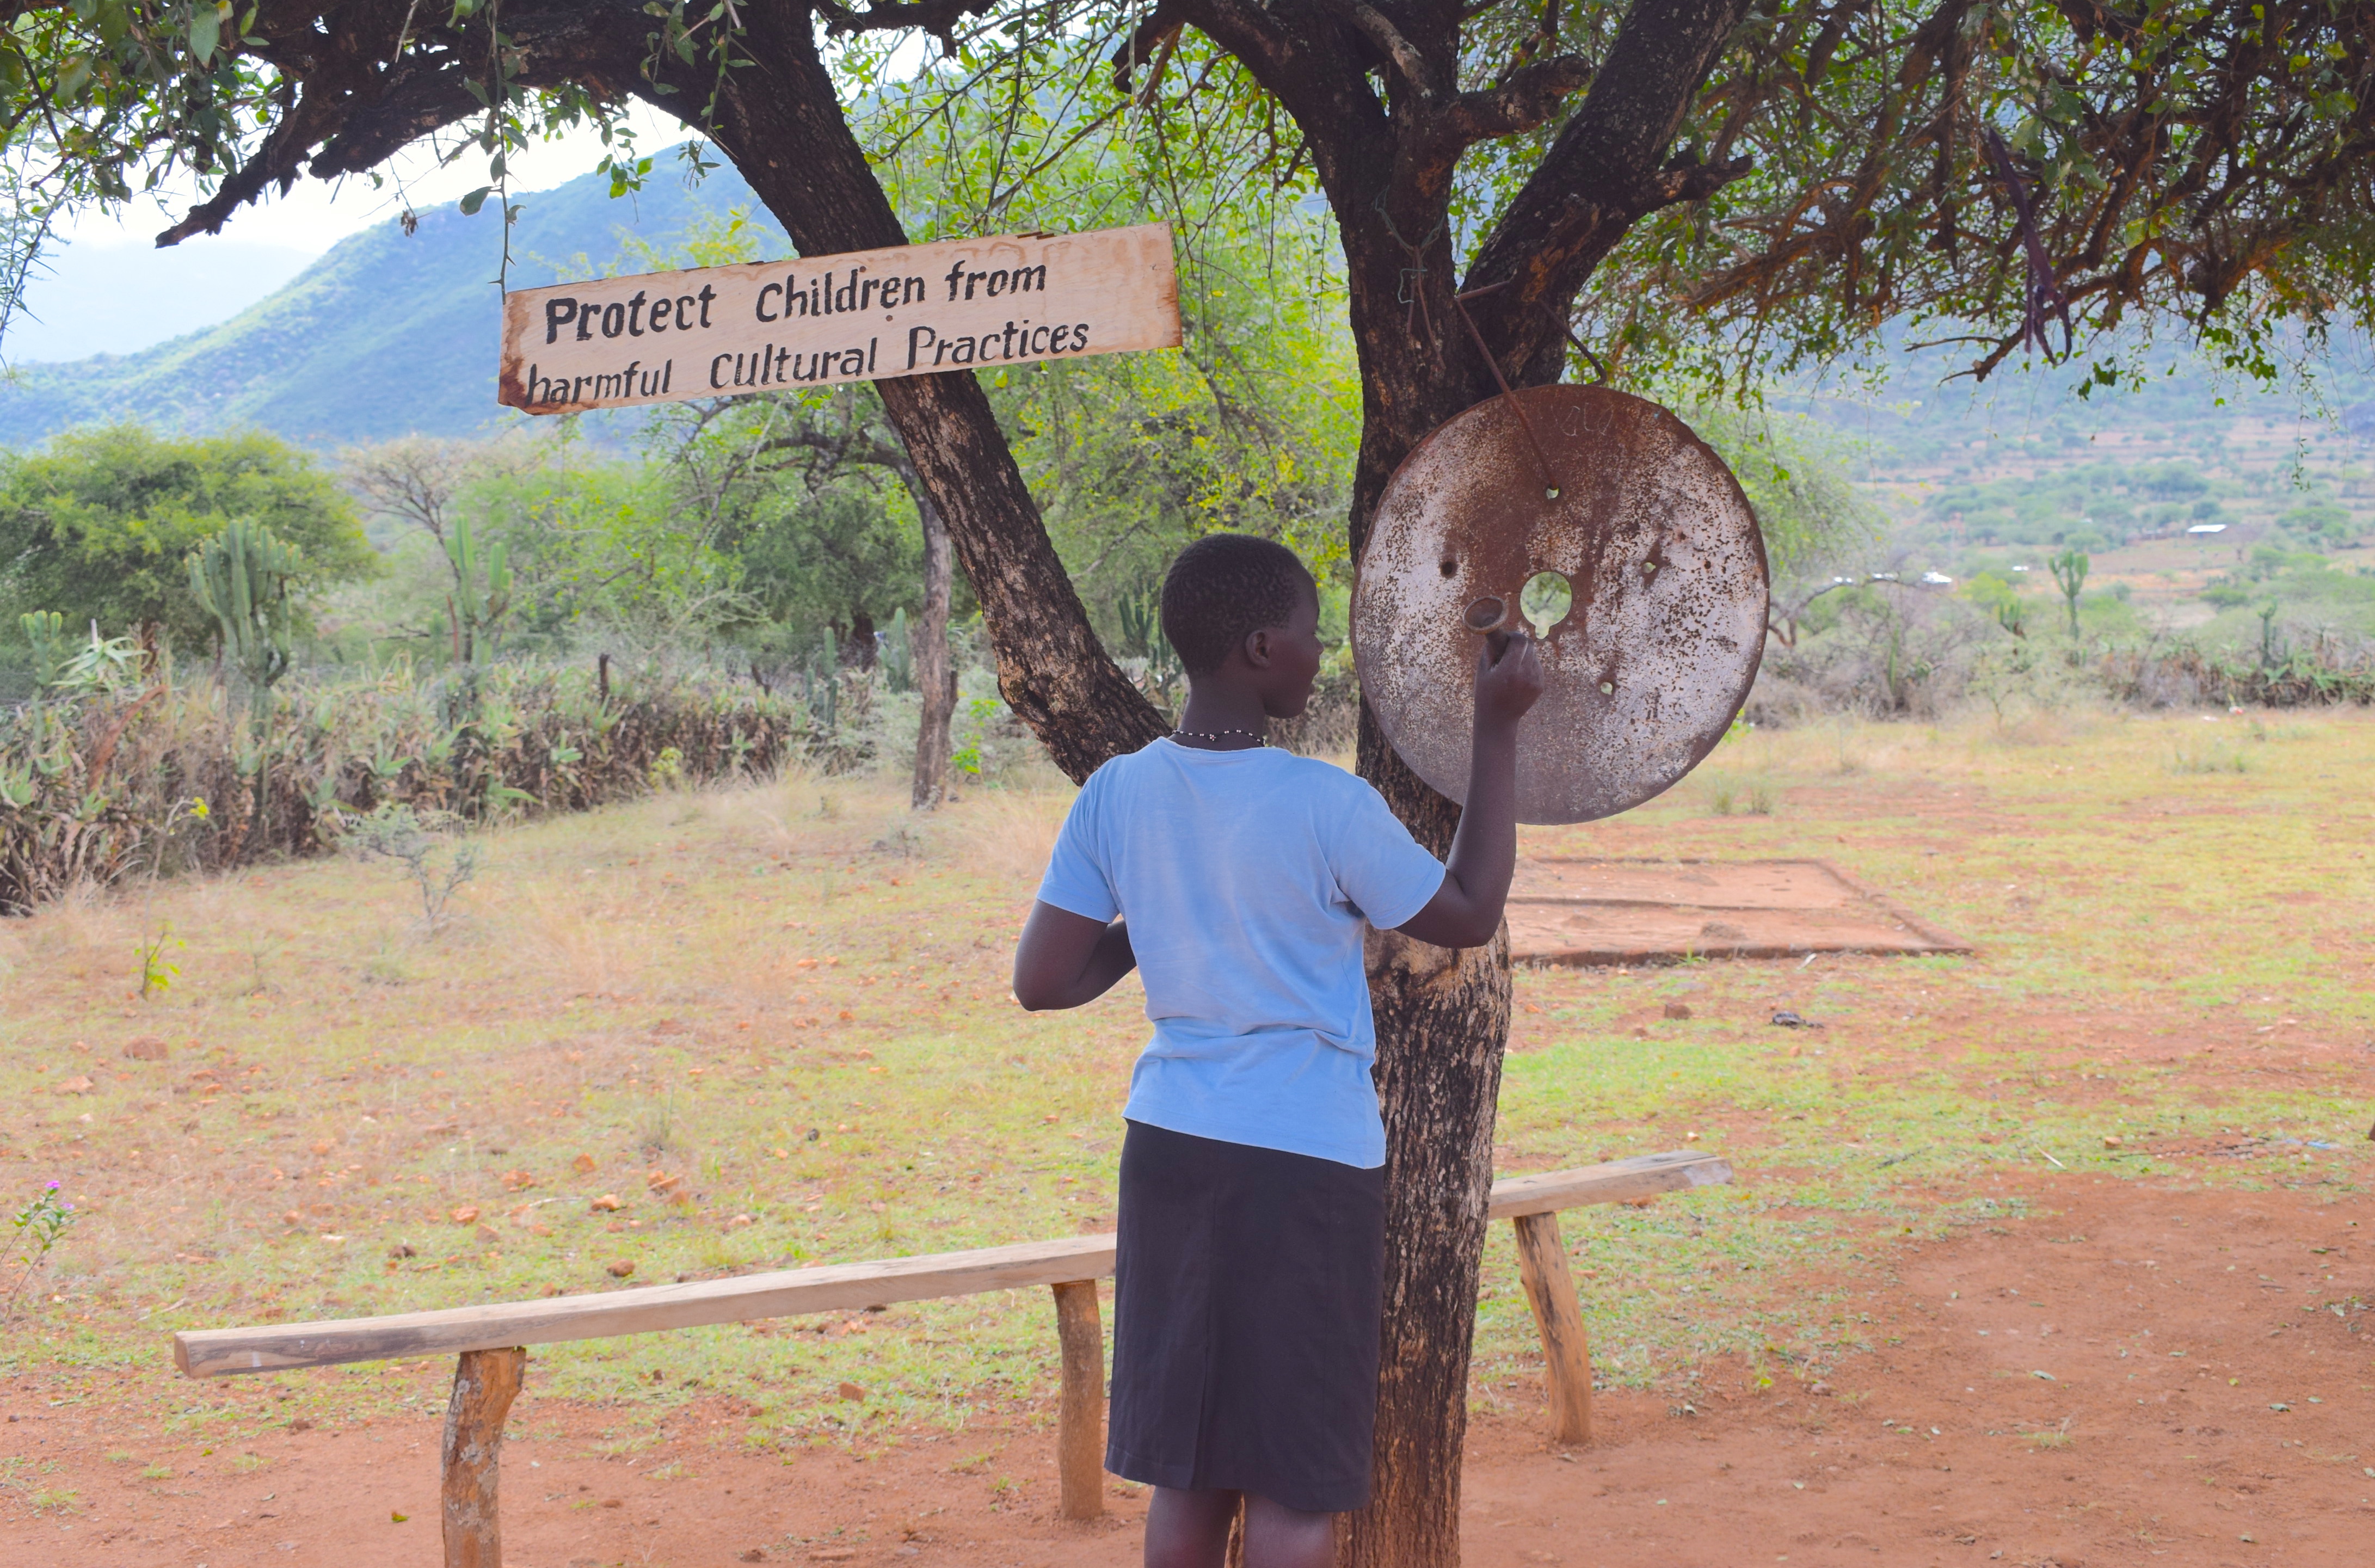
(1545, 600)
(1649, 569)
(1486, 613)
(1551, 494)
(1449, 567)
(1608, 689)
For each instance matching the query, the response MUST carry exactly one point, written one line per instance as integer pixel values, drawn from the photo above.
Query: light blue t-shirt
(1247, 877)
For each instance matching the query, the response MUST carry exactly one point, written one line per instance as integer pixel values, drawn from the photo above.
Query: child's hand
(1508, 678)
(1466, 910)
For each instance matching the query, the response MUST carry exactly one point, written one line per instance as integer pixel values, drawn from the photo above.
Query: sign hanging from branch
(869, 316)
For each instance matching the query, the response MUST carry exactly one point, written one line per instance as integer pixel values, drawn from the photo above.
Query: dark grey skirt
(1245, 1320)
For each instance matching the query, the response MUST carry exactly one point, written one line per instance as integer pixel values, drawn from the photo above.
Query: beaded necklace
(1217, 733)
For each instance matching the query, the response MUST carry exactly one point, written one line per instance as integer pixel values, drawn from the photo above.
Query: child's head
(1237, 606)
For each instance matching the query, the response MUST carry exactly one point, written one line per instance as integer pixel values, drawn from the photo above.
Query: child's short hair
(1225, 588)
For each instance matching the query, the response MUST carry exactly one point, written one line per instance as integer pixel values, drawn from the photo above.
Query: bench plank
(1619, 1181)
(782, 1293)
(794, 1291)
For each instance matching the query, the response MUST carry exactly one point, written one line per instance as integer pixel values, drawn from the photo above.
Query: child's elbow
(1039, 993)
(1480, 933)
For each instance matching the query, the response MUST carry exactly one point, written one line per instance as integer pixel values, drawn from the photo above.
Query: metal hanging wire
(1542, 462)
(1405, 294)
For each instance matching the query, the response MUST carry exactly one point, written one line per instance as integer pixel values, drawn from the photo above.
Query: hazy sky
(107, 288)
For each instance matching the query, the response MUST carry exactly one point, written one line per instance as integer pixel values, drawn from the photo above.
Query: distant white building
(2207, 528)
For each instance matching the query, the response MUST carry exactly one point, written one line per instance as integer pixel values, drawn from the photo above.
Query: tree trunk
(936, 676)
(782, 127)
(1442, 1018)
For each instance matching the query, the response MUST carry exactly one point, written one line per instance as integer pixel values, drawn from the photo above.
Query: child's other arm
(1066, 960)
(1466, 911)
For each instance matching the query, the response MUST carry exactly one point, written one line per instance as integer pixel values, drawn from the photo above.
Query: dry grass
(693, 984)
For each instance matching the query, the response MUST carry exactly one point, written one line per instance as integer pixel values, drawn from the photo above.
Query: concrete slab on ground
(1610, 912)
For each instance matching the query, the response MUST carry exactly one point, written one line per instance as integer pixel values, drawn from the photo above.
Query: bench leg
(485, 1382)
(1081, 1415)
(1566, 1358)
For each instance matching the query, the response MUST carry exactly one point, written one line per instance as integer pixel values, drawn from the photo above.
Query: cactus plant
(240, 577)
(46, 630)
(897, 654)
(2070, 575)
(482, 593)
(1141, 626)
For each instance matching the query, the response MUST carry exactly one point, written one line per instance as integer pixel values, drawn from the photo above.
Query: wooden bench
(490, 1341)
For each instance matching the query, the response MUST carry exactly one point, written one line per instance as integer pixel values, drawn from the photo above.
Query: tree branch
(939, 17)
(1151, 35)
(1388, 40)
(1530, 96)
(1605, 172)
(1315, 66)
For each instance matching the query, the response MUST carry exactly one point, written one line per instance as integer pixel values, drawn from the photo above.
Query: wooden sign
(869, 315)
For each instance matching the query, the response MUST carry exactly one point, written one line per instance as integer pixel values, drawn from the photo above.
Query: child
(1238, 880)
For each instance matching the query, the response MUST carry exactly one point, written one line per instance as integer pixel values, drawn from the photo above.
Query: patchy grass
(772, 1025)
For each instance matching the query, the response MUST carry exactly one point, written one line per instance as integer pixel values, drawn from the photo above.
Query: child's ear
(1257, 647)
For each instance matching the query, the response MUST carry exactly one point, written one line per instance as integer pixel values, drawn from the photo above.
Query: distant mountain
(387, 335)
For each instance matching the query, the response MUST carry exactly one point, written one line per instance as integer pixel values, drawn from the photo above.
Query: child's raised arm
(1066, 960)
(1467, 910)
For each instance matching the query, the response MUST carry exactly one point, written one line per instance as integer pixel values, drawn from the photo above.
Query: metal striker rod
(1543, 463)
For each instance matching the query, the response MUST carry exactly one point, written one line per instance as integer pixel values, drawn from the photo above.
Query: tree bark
(1442, 1019)
(936, 676)
(780, 121)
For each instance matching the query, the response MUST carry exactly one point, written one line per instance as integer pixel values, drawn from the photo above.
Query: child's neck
(1222, 715)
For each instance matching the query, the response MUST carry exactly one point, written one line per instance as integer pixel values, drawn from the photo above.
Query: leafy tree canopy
(97, 526)
(2000, 166)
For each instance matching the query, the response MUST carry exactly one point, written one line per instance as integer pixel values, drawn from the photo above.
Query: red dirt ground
(2195, 1359)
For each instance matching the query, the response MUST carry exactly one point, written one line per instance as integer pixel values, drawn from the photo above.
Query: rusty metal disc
(1667, 568)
